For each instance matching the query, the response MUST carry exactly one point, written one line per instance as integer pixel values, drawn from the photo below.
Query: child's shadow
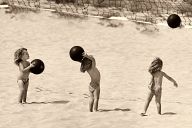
(116, 109)
(51, 102)
(169, 113)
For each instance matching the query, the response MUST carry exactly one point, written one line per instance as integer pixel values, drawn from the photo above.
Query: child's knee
(158, 102)
(22, 90)
(91, 98)
(96, 98)
(25, 89)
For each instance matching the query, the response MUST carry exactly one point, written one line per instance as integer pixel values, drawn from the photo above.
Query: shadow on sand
(51, 102)
(169, 113)
(116, 109)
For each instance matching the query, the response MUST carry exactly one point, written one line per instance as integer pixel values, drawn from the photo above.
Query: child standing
(20, 58)
(88, 64)
(155, 85)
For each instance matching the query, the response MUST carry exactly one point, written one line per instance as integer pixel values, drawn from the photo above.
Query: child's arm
(22, 69)
(91, 58)
(151, 82)
(170, 79)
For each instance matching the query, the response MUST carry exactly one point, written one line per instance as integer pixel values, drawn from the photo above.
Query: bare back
(94, 72)
(157, 80)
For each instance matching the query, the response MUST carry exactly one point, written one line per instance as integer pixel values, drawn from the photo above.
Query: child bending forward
(88, 64)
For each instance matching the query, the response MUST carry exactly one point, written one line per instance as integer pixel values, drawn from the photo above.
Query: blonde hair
(156, 65)
(18, 55)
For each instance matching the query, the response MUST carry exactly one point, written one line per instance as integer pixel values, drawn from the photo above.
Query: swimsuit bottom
(25, 81)
(157, 91)
(93, 86)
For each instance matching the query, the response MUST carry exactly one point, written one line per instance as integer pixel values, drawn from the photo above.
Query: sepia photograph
(95, 63)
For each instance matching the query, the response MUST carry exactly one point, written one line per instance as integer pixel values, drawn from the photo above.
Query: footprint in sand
(38, 89)
(86, 95)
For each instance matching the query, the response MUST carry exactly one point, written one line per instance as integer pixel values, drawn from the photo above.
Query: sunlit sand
(58, 98)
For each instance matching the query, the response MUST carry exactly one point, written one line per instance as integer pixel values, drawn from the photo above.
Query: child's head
(156, 65)
(85, 64)
(20, 55)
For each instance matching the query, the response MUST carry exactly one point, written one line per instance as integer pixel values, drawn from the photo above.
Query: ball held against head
(174, 21)
(76, 53)
(38, 66)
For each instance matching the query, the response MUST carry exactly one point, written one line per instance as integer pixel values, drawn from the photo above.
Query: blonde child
(88, 64)
(20, 58)
(155, 86)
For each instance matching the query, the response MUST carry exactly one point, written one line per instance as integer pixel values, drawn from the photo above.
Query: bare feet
(143, 114)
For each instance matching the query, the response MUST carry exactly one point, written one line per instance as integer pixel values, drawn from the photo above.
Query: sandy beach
(58, 98)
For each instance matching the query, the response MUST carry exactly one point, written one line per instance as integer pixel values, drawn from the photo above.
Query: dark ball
(76, 53)
(57, 1)
(39, 66)
(174, 21)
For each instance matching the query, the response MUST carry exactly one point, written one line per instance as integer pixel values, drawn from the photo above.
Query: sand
(58, 98)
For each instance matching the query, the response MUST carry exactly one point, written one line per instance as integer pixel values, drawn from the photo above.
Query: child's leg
(96, 98)
(149, 98)
(91, 101)
(25, 91)
(21, 88)
(158, 102)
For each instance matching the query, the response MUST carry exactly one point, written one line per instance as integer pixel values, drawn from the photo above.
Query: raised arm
(91, 58)
(170, 79)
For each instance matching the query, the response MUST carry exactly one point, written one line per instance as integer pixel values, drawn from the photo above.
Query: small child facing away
(155, 86)
(20, 58)
(88, 64)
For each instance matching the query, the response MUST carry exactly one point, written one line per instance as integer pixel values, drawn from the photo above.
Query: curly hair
(156, 65)
(18, 55)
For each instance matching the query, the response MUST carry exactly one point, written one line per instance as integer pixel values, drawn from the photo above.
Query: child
(20, 59)
(88, 64)
(155, 85)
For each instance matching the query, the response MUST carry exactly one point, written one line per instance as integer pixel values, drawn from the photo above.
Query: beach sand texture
(58, 98)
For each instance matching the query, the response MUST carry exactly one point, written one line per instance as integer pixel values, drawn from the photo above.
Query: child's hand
(31, 65)
(84, 54)
(175, 84)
